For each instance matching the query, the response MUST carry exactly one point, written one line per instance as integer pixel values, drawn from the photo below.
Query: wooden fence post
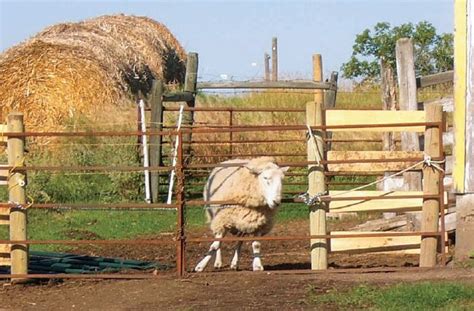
(330, 103)
(16, 195)
(316, 179)
(274, 59)
(266, 62)
(389, 102)
(431, 186)
(190, 86)
(155, 101)
(407, 91)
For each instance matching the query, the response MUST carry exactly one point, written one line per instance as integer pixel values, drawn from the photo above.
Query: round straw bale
(80, 69)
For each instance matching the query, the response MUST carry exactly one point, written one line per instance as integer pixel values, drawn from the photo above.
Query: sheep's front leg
(235, 260)
(212, 250)
(257, 262)
(218, 261)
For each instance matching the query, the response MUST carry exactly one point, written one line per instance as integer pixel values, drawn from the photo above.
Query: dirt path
(217, 290)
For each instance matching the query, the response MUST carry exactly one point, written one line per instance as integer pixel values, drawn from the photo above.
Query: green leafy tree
(433, 52)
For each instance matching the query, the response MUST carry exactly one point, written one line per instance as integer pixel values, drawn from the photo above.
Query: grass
(417, 296)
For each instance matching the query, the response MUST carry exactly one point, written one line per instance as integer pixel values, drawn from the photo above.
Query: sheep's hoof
(257, 268)
(234, 267)
(198, 269)
(218, 265)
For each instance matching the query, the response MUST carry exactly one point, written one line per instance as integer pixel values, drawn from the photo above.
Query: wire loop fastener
(312, 200)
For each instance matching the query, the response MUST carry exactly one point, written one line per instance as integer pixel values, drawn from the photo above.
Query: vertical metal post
(180, 248)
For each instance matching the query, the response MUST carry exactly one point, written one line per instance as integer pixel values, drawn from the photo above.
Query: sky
(231, 37)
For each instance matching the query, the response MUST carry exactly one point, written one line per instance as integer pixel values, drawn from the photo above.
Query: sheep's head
(270, 177)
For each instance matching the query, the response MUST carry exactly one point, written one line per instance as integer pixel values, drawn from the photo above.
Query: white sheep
(256, 188)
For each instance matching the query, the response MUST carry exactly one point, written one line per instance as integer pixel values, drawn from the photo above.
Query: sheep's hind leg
(257, 262)
(234, 264)
(212, 251)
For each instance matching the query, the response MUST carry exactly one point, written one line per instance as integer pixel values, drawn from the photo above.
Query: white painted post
(175, 154)
(146, 156)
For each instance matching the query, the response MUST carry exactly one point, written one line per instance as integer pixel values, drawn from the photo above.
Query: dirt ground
(283, 285)
(276, 255)
(216, 291)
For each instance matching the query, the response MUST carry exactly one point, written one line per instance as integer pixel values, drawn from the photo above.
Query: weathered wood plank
(355, 117)
(3, 175)
(377, 203)
(407, 96)
(371, 167)
(399, 244)
(434, 79)
(378, 244)
(178, 97)
(4, 216)
(330, 103)
(3, 129)
(5, 248)
(5, 255)
(304, 85)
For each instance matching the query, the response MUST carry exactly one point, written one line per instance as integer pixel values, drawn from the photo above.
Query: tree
(433, 52)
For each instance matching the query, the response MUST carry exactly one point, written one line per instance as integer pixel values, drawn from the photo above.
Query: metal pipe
(236, 109)
(330, 198)
(227, 239)
(241, 128)
(310, 237)
(146, 206)
(181, 235)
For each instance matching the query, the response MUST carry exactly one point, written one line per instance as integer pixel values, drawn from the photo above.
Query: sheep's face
(271, 180)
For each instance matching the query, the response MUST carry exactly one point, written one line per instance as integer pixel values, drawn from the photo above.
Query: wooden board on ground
(399, 244)
(355, 117)
(5, 255)
(376, 203)
(371, 167)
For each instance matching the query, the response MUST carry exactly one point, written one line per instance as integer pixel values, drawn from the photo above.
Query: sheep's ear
(253, 170)
(284, 169)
